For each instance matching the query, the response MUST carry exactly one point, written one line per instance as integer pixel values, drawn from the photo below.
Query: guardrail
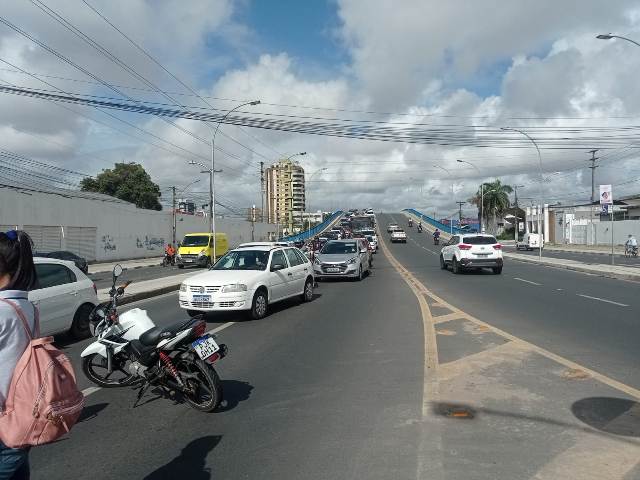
(307, 234)
(432, 221)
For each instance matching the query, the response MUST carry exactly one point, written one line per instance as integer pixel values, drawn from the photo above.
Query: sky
(455, 69)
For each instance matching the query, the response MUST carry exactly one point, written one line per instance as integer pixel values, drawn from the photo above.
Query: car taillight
(95, 289)
(497, 246)
(464, 246)
(199, 328)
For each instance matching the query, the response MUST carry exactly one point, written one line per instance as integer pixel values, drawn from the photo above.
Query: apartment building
(285, 191)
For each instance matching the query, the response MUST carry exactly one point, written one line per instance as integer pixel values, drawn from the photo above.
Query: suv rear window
(479, 240)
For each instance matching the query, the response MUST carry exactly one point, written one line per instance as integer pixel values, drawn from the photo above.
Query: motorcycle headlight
(352, 261)
(183, 287)
(234, 288)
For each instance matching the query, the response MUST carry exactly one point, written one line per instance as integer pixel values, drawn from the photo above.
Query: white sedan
(249, 278)
(65, 297)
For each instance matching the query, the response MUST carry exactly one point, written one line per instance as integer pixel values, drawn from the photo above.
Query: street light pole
(541, 209)
(609, 36)
(451, 180)
(481, 195)
(308, 196)
(212, 192)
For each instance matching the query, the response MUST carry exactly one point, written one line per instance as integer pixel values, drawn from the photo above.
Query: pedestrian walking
(17, 277)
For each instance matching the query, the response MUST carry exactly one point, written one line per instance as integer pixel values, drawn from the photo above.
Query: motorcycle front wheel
(204, 383)
(95, 368)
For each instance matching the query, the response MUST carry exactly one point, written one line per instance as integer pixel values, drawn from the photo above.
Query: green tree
(496, 201)
(126, 181)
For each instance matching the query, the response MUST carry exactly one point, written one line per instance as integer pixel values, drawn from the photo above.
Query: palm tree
(496, 201)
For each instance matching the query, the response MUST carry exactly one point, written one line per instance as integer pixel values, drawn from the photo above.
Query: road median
(147, 288)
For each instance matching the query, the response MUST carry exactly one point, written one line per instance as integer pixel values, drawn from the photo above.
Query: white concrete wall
(122, 230)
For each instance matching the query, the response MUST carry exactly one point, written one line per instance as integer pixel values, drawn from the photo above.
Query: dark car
(80, 262)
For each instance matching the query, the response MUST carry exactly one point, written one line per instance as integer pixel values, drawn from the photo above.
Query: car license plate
(188, 260)
(333, 270)
(482, 254)
(205, 347)
(202, 298)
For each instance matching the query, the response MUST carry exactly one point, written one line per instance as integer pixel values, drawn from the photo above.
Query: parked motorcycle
(130, 349)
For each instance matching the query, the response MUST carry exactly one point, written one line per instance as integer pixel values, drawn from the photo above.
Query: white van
(530, 241)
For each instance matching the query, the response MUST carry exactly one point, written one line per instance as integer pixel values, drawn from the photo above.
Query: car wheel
(259, 305)
(360, 274)
(80, 326)
(497, 270)
(455, 266)
(307, 295)
(443, 264)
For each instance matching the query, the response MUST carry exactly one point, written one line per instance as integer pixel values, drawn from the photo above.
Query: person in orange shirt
(170, 254)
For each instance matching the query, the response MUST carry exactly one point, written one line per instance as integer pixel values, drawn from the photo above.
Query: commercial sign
(606, 197)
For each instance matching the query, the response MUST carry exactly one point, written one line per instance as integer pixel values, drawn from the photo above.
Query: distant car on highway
(342, 258)
(472, 251)
(249, 279)
(79, 262)
(399, 236)
(391, 227)
(65, 297)
(373, 243)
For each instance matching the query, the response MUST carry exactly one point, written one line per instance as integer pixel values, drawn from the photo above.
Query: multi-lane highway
(341, 387)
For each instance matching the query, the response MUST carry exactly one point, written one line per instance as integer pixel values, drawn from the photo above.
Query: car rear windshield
(479, 240)
(196, 241)
(337, 248)
(368, 232)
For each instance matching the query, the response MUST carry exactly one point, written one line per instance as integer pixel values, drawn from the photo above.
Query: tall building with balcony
(285, 195)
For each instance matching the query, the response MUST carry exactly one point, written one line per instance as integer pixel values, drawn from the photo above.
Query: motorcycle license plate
(202, 298)
(333, 270)
(205, 347)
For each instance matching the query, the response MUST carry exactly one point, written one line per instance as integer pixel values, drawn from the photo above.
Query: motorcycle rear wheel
(205, 382)
(101, 377)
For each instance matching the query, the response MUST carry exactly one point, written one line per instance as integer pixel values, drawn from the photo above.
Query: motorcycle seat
(154, 335)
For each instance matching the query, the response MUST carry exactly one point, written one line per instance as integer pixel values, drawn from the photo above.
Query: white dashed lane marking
(602, 300)
(527, 281)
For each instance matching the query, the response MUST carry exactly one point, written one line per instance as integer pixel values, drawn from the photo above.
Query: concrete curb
(148, 294)
(577, 268)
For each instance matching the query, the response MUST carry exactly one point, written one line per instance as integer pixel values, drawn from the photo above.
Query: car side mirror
(276, 267)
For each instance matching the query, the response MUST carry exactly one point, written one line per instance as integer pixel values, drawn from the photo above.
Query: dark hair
(16, 259)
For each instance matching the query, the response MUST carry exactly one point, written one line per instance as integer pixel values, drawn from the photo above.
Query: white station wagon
(249, 278)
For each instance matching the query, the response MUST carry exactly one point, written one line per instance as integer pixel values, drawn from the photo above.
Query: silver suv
(342, 258)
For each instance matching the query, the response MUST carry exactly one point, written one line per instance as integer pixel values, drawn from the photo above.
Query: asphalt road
(326, 390)
(103, 279)
(588, 319)
(589, 258)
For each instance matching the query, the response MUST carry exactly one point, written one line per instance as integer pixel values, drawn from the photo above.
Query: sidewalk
(596, 249)
(127, 264)
(604, 270)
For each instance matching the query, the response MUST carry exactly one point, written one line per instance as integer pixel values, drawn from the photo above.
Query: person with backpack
(39, 397)
(17, 277)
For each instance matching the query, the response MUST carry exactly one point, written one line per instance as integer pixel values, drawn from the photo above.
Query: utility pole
(173, 216)
(460, 212)
(517, 219)
(593, 190)
(262, 191)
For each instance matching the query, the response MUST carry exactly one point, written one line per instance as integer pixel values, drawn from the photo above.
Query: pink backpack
(43, 402)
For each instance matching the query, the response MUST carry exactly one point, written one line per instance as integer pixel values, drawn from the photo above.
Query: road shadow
(191, 463)
(91, 411)
(234, 392)
(619, 416)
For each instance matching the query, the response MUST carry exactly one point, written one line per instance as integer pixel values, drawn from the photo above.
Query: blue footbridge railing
(318, 229)
(433, 222)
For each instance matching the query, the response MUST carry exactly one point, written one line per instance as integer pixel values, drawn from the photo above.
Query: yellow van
(197, 249)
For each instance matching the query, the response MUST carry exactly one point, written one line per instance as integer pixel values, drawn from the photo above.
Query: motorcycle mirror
(117, 271)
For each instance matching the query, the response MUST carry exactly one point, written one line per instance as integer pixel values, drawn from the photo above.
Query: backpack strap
(25, 323)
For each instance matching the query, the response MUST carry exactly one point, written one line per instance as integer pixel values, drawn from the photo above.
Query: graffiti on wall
(150, 243)
(108, 244)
